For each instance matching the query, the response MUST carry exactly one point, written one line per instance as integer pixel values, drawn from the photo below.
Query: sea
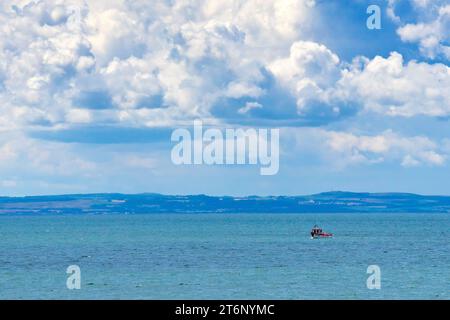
(225, 256)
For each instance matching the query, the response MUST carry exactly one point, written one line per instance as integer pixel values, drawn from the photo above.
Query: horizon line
(224, 195)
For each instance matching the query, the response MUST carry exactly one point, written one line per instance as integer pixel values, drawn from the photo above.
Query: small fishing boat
(317, 233)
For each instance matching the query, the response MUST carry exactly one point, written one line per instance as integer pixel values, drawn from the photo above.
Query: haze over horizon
(332, 192)
(148, 203)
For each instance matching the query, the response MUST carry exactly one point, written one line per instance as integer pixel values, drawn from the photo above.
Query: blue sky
(90, 92)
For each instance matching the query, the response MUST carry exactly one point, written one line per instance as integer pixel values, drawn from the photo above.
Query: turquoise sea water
(214, 256)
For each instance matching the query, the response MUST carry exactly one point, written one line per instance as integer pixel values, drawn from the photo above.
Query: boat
(317, 232)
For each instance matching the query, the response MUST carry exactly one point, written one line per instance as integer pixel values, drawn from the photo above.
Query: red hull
(323, 235)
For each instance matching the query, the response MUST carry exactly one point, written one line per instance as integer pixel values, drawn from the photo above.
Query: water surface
(225, 256)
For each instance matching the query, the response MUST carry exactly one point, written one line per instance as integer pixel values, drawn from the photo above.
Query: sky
(90, 92)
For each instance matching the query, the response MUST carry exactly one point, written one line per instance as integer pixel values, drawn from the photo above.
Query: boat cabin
(316, 230)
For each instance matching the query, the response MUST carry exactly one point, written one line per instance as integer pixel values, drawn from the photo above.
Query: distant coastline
(148, 203)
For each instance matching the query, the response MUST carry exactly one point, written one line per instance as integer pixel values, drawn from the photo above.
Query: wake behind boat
(317, 233)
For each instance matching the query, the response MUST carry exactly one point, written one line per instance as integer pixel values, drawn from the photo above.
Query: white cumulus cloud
(392, 87)
(174, 58)
(342, 149)
(432, 35)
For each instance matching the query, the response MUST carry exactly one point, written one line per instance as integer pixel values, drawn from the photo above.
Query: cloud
(22, 155)
(391, 87)
(136, 161)
(249, 106)
(432, 35)
(39, 61)
(309, 71)
(328, 89)
(174, 59)
(163, 63)
(55, 167)
(8, 183)
(78, 116)
(345, 149)
(390, 10)
(411, 151)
